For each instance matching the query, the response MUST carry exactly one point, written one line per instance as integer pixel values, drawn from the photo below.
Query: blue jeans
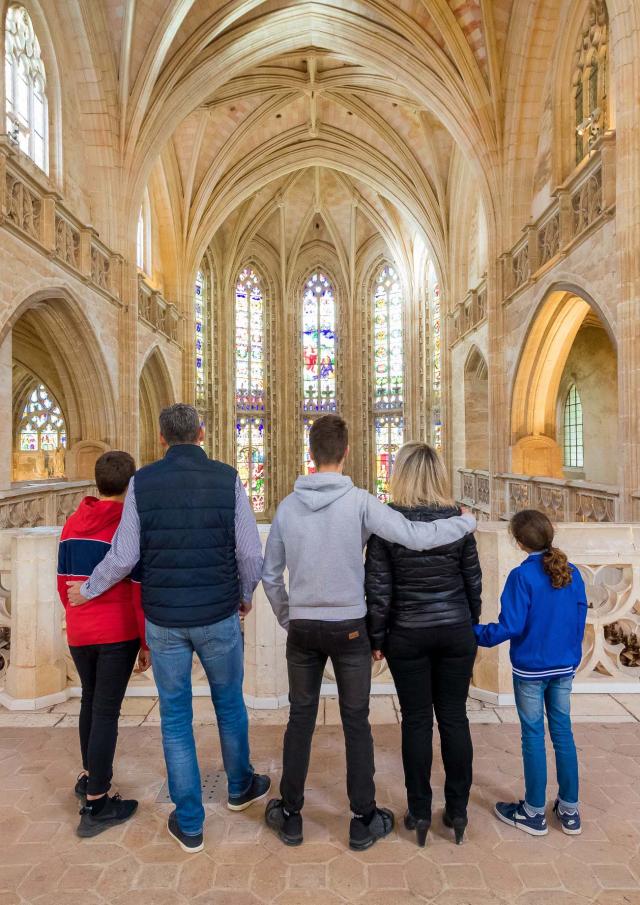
(532, 698)
(220, 650)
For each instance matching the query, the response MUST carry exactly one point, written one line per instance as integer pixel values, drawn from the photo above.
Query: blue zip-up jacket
(545, 625)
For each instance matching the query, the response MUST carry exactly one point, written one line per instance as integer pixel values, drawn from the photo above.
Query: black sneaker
(288, 826)
(258, 789)
(189, 844)
(363, 835)
(114, 812)
(80, 790)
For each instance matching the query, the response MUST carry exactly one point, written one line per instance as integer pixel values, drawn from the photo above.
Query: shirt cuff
(86, 591)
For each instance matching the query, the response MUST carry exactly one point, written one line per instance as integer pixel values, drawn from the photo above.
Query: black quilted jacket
(420, 590)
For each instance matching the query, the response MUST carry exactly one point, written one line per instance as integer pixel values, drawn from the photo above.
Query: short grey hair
(180, 423)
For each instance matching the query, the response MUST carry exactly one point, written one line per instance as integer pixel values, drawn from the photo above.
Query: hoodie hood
(94, 516)
(317, 491)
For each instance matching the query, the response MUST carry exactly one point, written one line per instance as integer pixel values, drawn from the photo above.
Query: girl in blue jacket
(543, 614)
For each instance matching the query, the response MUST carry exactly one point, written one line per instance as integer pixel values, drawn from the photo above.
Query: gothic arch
(156, 393)
(549, 339)
(52, 337)
(476, 410)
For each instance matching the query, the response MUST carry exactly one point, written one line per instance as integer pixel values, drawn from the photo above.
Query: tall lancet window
(25, 87)
(250, 386)
(435, 327)
(388, 392)
(200, 316)
(573, 430)
(319, 392)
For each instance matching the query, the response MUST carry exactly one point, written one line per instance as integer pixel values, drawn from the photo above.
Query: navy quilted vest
(187, 503)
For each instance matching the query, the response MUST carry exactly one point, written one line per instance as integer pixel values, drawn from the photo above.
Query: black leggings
(104, 670)
(431, 668)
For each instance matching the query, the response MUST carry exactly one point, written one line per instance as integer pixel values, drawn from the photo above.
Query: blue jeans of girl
(532, 699)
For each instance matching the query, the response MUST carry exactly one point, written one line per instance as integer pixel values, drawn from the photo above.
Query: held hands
(74, 593)
(245, 608)
(377, 655)
(144, 661)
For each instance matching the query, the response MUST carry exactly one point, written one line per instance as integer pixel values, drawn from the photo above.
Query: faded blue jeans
(220, 650)
(532, 699)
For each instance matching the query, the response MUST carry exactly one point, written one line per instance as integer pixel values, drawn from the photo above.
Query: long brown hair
(533, 530)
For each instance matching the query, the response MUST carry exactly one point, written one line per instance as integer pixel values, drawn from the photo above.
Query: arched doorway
(565, 403)
(155, 394)
(56, 356)
(476, 410)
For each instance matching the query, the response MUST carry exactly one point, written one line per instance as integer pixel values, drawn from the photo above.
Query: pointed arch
(156, 393)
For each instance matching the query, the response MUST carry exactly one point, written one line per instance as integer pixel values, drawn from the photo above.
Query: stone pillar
(265, 681)
(498, 555)
(6, 412)
(36, 675)
(128, 426)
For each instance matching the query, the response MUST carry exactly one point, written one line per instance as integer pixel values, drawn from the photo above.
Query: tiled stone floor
(44, 863)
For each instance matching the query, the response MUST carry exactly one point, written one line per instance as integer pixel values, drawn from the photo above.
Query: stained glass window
(200, 340)
(42, 426)
(435, 320)
(250, 386)
(25, 87)
(143, 236)
(319, 393)
(250, 458)
(388, 357)
(573, 430)
(319, 345)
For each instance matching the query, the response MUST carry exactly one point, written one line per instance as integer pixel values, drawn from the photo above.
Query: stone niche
(81, 459)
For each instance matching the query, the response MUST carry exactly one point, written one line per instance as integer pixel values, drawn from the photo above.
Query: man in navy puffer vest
(188, 521)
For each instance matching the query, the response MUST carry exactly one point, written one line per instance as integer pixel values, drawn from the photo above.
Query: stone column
(265, 681)
(36, 675)
(129, 407)
(6, 412)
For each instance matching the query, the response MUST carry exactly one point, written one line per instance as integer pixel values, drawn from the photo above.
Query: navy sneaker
(288, 825)
(258, 789)
(571, 824)
(514, 814)
(189, 844)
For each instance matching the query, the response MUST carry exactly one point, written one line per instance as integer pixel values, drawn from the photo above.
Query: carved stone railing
(37, 505)
(561, 500)
(157, 312)
(475, 491)
(580, 205)
(469, 314)
(31, 209)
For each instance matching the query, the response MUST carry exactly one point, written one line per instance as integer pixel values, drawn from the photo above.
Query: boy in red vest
(104, 638)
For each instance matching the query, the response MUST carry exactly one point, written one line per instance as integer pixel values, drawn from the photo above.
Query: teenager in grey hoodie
(319, 533)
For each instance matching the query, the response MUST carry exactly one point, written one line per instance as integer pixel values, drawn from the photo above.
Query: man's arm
(119, 561)
(248, 546)
(392, 526)
(275, 562)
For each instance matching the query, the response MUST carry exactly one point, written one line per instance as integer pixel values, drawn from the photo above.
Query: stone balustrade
(157, 312)
(44, 503)
(469, 314)
(579, 207)
(38, 670)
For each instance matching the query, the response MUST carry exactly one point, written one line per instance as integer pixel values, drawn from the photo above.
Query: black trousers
(432, 668)
(104, 670)
(309, 645)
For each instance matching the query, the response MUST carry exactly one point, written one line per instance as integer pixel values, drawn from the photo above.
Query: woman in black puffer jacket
(421, 608)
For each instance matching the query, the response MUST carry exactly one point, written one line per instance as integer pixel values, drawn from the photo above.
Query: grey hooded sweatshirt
(319, 532)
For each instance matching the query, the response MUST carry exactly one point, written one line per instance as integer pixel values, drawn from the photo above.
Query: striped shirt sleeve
(248, 546)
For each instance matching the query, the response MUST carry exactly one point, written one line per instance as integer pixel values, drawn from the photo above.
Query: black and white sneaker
(258, 789)
(570, 822)
(190, 844)
(80, 790)
(287, 824)
(363, 835)
(113, 813)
